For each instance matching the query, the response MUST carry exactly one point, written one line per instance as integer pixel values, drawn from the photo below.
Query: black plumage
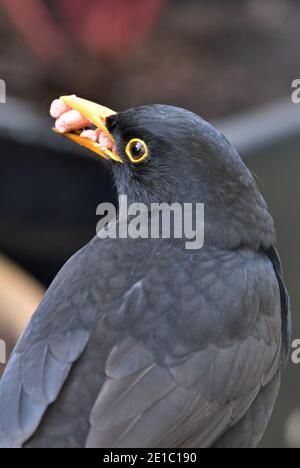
(143, 343)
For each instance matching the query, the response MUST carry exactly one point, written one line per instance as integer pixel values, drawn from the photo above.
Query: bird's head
(168, 154)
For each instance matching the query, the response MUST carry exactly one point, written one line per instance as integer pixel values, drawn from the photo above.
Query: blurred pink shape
(109, 27)
(37, 27)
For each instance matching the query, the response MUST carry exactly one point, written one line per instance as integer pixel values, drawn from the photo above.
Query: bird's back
(144, 344)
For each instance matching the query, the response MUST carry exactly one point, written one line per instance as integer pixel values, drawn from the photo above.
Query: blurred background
(231, 61)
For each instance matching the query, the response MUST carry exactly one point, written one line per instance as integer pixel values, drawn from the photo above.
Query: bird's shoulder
(202, 334)
(196, 299)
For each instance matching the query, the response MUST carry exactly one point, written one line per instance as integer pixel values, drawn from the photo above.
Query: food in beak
(70, 120)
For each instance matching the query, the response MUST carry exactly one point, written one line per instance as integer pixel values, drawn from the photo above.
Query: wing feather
(191, 397)
(41, 361)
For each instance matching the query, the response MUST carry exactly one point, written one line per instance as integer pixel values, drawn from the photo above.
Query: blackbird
(141, 342)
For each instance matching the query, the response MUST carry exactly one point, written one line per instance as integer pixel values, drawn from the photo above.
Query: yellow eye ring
(137, 151)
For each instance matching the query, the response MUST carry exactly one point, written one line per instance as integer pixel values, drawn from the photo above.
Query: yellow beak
(97, 115)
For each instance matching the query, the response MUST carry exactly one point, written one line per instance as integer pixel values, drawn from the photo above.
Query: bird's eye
(137, 150)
